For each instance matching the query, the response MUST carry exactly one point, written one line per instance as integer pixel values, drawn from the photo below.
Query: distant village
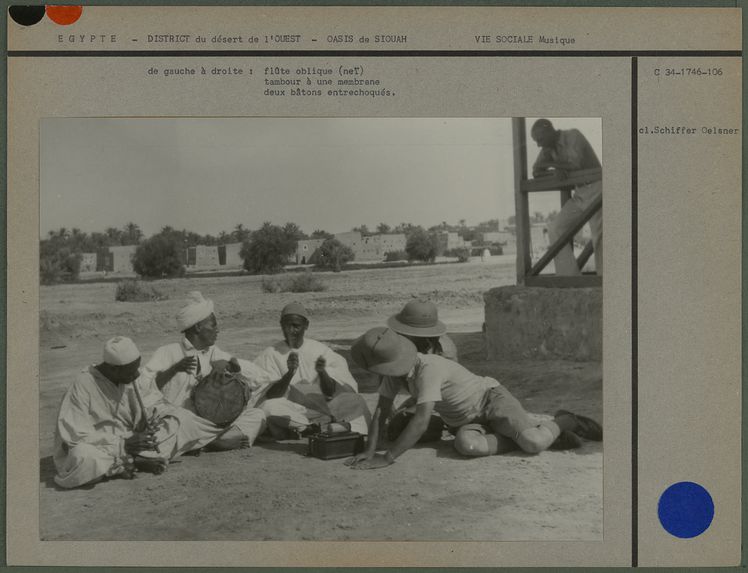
(367, 247)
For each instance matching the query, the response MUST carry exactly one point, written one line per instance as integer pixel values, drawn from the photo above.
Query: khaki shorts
(503, 414)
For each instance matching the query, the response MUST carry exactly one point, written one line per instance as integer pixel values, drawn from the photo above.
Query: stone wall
(544, 323)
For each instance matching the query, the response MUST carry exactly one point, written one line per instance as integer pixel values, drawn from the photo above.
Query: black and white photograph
(321, 329)
(325, 286)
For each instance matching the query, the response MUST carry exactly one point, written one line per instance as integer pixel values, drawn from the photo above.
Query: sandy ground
(273, 491)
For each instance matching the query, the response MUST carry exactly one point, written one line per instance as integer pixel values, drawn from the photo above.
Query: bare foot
(231, 439)
(225, 443)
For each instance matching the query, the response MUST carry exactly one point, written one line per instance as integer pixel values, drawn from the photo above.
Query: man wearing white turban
(178, 367)
(103, 428)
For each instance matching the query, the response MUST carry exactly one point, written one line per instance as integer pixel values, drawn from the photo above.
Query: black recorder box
(338, 445)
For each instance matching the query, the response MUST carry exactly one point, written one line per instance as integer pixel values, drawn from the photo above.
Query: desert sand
(273, 491)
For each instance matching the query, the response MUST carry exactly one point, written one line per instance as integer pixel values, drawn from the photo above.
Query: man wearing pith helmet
(311, 383)
(486, 417)
(419, 322)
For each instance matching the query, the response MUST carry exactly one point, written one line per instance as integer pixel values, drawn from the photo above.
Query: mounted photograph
(321, 329)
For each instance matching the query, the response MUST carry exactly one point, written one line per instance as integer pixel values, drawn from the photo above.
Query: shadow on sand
(298, 447)
(47, 472)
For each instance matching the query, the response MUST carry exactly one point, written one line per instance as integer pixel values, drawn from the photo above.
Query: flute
(148, 424)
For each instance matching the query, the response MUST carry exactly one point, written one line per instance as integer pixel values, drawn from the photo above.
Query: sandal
(586, 427)
(566, 441)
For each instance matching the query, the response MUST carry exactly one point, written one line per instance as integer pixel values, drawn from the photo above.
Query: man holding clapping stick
(312, 384)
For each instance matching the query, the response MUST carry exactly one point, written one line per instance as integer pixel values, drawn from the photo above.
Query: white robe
(304, 400)
(97, 416)
(178, 390)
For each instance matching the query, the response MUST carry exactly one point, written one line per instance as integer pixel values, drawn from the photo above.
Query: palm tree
(321, 234)
(239, 233)
(293, 231)
(114, 235)
(192, 238)
(98, 240)
(133, 234)
(77, 237)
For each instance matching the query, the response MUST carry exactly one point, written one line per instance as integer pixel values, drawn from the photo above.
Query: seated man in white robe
(177, 368)
(311, 383)
(103, 429)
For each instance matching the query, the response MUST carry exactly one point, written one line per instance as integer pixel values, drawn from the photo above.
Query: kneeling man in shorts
(486, 417)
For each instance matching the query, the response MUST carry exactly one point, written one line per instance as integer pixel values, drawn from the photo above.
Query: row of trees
(265, 250)
(268, 249)
(76, 239)
(61, 251)
(461, 228)
(537, 217)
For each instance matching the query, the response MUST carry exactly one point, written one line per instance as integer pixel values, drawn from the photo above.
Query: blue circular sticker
(685, 509)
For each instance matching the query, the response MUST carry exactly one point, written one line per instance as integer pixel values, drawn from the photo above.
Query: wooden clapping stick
(145, 414)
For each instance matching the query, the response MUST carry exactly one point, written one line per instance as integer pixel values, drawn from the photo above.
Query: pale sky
(208, 174)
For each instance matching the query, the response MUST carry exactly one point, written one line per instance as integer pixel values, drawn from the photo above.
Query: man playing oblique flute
(105, 430)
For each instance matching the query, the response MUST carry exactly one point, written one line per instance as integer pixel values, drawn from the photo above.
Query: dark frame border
(634, 204)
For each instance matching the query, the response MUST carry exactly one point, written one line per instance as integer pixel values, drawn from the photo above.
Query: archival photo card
(326, 286)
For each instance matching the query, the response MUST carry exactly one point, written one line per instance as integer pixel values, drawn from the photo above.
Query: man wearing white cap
(486, 418)
(103, 428)
(178, 367)
(311, 382)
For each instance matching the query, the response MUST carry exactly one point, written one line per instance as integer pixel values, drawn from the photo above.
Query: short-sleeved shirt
(573, 148)
(449, 349)
(457, 393)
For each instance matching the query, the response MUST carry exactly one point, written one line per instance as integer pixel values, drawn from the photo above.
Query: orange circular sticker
(64, 15)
